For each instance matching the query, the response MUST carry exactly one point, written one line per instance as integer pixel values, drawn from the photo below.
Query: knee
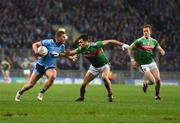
(52, 77)
(152, 81)
(158, 81)
(105, 78)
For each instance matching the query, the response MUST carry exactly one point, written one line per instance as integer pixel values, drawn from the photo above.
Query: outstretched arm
(71, 55)
(115, 42)
(68, 53)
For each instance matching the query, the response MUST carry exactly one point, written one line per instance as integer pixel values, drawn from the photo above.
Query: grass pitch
(130, 105)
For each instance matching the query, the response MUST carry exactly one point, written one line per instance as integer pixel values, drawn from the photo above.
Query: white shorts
(26, 71)
(148, 67)
(96, 71)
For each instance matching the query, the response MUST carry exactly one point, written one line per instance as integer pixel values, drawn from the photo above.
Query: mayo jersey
(94, 53)
(5, 65)
(144, 54)
(49, 60)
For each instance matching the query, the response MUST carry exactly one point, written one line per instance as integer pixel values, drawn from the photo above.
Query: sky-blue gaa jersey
(49, 60)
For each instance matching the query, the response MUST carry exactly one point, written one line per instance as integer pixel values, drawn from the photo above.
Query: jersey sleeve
(46, 42)
(137, 43)
(99, 44)
(78, 50)
(156, 43)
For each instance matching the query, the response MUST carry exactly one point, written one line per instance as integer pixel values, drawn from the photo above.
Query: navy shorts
(41, 70)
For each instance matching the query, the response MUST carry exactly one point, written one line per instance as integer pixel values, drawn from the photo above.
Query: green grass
(130, 105)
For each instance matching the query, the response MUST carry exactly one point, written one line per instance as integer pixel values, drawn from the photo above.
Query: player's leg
(148, 75)
(150, 78)
(107, 82)
(155, 72)
(7, 78)
(146, 82)
(87, 79)
(51, 76)
(32, 81)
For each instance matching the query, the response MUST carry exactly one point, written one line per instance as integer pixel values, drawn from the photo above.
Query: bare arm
(68, 53)
(35, 47)
(131, 52)
(160, 50)
(71, 55)
(131, 55)
(114, 42)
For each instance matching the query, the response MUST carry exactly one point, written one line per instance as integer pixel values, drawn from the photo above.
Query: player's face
(146, 32)
(82, 43)
(61, 38)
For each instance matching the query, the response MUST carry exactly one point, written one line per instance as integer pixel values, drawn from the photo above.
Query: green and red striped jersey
(145, 47)
(94, 53)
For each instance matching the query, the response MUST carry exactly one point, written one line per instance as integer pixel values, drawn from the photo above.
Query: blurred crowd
(25, 21)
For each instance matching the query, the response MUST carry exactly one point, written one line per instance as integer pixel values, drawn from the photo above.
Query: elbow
(162, 52)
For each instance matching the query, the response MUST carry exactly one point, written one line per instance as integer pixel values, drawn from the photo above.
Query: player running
(143, 58)
(99, 62)
(46, 65)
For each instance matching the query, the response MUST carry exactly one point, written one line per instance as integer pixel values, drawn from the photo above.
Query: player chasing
(99, 62)
(143, 58)
(46, 65)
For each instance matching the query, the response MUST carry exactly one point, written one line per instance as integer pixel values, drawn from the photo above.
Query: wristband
(132, 60)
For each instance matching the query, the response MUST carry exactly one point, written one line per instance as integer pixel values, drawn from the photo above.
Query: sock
(157, 89)
(82, 92)
(42, 91)
(109, 94)
(21, 92)
(157, 93)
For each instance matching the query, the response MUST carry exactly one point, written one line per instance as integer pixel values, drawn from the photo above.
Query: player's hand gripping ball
(42, 51)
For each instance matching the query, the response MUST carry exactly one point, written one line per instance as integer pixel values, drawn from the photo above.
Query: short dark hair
(148, 26)
(84, 37)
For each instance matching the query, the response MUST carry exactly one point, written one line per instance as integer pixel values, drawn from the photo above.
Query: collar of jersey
(88, 46)
(56, 43)
(147, 39)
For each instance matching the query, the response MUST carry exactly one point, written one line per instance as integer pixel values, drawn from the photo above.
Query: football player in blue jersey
(46, 65)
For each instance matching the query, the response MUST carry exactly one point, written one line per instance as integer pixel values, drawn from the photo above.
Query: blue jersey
(52, 46)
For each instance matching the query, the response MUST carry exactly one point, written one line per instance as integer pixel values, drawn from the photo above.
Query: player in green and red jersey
(5, 68)
(99, 62)
(144, 59)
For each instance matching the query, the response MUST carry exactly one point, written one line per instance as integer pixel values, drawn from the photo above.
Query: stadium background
(25, 21)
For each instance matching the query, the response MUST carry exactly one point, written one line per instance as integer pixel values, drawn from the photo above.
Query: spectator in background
(18, 28)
